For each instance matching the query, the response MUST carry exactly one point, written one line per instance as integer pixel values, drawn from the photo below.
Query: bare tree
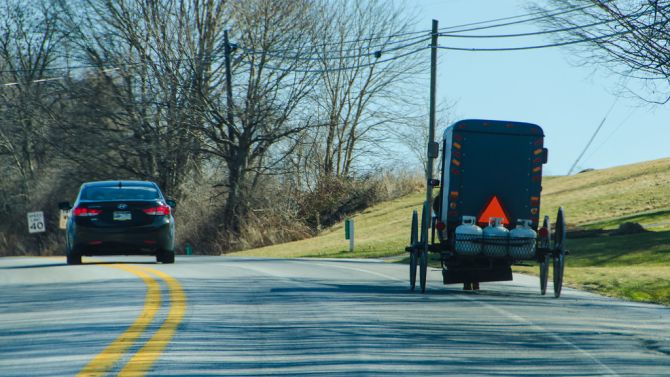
(161, 98)
(368, 57)
(632, 37)
(154, 66)
(413, 135)
(256, 123)
(29, 41)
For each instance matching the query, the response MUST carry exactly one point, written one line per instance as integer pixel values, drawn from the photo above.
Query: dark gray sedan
(120, 218)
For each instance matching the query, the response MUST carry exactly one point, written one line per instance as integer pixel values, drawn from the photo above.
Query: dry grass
(379, 231)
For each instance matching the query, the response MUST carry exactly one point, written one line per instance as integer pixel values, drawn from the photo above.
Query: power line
(374, 38)
(562, 30)
(623, 122)
(46, 69)
(389, 59)
(544, 14)
(377, 53)
(325, 70)
(423, 38)
(593, 137)
(422, 33)
(418, 36)
(555, 12)
(558, 44)
(56, 78)
(416, 39)
(11, 84)
(67, 68)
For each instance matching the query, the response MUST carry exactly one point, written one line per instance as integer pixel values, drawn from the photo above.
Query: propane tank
(468, 237)
(496, 237)
(522, 240)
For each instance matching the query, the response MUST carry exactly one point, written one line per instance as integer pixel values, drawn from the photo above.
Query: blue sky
(546, 87)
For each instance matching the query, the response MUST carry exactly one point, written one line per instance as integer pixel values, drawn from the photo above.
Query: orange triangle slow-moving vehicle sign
(493, 209)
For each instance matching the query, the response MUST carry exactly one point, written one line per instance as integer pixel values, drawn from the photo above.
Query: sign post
(349, 232)
(36, 222)
(351, 235)
(62, 223)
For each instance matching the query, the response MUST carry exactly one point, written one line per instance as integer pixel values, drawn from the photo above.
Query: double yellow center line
(140, 363)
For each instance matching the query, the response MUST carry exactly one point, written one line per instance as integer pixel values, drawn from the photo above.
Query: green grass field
(635, 267)
(609, 196)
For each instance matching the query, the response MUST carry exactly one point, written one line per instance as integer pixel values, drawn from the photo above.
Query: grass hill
(633, 266)
(638, 192)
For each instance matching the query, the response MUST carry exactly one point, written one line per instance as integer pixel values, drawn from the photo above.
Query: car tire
(73, 259)
(70, 255)
(165, 256)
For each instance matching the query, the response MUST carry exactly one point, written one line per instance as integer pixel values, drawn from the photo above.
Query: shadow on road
(63, 264)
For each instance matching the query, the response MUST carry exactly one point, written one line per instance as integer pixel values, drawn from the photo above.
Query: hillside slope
(598, 198)
(601, 196)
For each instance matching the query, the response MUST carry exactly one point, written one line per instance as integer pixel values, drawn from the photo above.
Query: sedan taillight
(86, 212)
(161, 210)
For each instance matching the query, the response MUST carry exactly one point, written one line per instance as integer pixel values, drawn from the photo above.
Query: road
(250, 317)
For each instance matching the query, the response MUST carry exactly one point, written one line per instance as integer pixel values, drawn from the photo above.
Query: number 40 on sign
(35, 222)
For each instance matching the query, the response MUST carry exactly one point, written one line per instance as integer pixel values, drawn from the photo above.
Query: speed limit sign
(35, 222)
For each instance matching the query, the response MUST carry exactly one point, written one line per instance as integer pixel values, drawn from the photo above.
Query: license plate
(122, 216)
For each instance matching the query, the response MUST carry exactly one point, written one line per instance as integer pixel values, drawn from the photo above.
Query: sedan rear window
(120, 193)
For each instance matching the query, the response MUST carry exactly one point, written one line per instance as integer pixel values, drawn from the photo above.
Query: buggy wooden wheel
(544, 272)
(423, 267)
(423, 253)
(559, 253)
(545, 259)
(413, 258)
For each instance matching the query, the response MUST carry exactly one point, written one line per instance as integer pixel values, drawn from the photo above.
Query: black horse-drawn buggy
(486, 216)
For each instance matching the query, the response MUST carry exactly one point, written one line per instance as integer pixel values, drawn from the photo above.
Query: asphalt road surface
(211, 316)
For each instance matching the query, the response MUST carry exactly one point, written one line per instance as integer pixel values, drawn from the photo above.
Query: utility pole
(433, 148)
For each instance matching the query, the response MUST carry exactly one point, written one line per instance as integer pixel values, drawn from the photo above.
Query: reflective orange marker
(493, 209)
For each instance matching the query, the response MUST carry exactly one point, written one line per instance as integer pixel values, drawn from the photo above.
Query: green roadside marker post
(349, 233)
(188, 249)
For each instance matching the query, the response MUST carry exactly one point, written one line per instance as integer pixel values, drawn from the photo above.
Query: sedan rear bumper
(142, 240)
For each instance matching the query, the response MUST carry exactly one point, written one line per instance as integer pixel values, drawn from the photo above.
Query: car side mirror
(64, 206)
(172, 203)
(545, 155)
